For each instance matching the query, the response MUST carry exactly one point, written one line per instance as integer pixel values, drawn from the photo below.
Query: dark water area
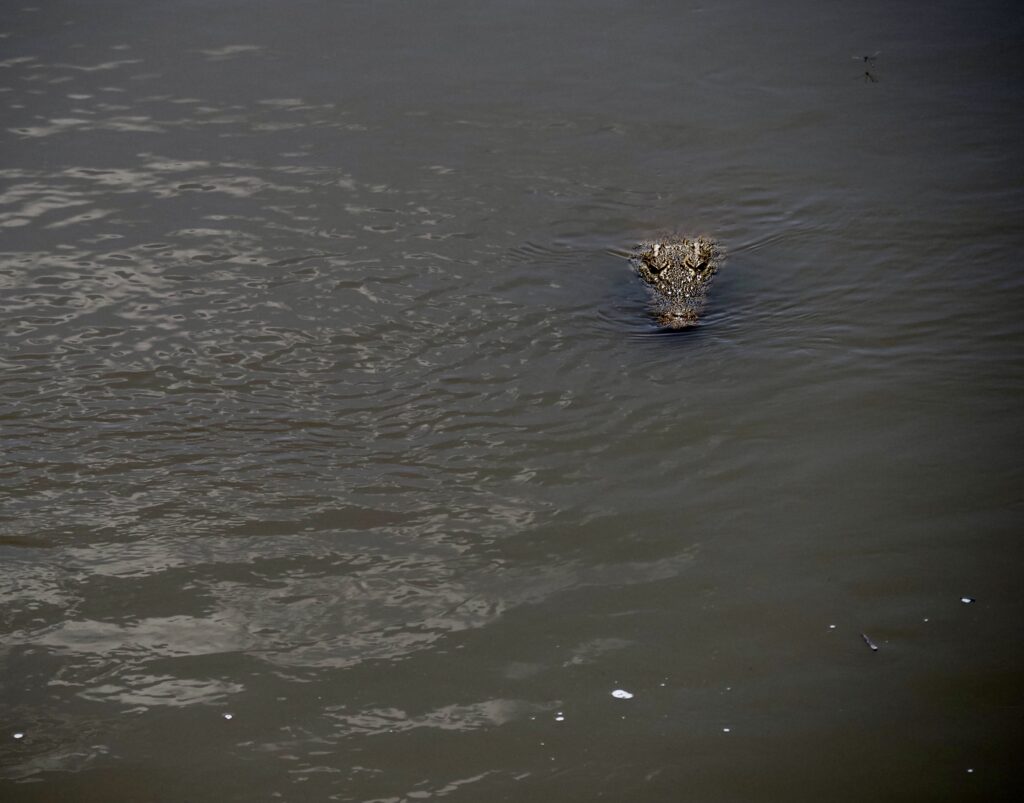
(342, 460)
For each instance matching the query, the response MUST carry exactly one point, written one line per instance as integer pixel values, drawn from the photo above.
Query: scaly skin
(678, 271)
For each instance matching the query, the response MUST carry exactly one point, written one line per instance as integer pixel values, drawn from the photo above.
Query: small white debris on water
(622, 694)
(970, 770)
(925, 619)
(726, 730)
(967, 600)
(19, 735)
(229, 716)
(559, 717)
(831, 627)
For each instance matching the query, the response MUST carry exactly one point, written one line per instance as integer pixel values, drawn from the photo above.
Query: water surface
(341, 459)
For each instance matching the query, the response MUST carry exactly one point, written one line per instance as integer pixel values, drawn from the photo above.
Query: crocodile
(678, 271)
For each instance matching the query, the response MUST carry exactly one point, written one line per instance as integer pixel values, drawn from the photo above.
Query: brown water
(341, 458)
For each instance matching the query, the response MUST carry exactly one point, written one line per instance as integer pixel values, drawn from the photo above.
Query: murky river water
(341, 459)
